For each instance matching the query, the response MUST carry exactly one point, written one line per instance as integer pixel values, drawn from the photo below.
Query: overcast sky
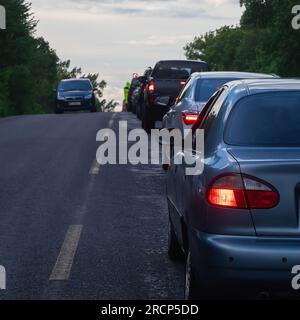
(119, 37)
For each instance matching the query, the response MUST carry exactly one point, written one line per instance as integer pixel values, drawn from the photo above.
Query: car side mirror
(162, 101)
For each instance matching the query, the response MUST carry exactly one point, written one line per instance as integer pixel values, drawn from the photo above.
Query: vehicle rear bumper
(235, 261)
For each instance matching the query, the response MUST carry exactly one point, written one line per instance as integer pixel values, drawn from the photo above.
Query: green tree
(29, 68)
(263, 42)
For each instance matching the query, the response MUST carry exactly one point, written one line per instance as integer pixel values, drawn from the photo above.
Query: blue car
(74, 95)
(238, 223)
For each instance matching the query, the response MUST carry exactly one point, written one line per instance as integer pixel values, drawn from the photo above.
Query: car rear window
(265, 120)
(207, 87)
(177, 71)
(74, 85)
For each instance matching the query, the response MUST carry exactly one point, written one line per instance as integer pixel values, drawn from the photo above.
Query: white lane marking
(63, 265)
(111, 122)
(95, 168)
(2, 278)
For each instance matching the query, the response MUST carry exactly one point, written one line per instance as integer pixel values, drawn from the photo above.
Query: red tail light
(183, 83)
(190, 118)
(151, 87)
(242, 192)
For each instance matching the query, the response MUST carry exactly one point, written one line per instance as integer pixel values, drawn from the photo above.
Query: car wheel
(174, 249)
(59, 111)
(147, 122)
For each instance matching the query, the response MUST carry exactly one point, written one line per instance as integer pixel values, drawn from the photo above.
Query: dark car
(164, 85)
(75, 94)
(139, 94)
(198, 90)
(135, 83)
(238, 222)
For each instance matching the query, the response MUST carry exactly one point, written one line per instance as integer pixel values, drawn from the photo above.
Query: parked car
(140, 92)
(238, 222)
(135, 83)
(75, 94)
(199, 88)
(165, 83)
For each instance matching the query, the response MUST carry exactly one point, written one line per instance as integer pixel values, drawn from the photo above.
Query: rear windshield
(207, 87)
(177, 71)
(74, 85)
(266, 120)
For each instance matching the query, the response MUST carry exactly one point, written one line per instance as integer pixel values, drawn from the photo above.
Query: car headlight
(89, 96)
(60, 96)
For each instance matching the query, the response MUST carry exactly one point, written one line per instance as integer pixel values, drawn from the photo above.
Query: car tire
(59, 111)
(147, 122)
(138, 113)
(174, 250)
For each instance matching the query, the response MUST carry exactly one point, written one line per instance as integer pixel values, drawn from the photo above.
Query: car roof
(255, 86)
(232, 74)
(75, 79)
(181, 61)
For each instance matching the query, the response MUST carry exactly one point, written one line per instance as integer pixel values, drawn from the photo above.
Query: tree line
(264, 41)
(30, 69)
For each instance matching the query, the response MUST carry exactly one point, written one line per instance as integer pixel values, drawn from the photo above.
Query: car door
(182, 102)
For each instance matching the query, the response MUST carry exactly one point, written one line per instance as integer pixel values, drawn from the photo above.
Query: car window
(214, 111)
(205, 88)
(177, 70)
(265, 120)
(187, 91)
(74, 85)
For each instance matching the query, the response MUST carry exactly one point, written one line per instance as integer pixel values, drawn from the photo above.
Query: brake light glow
(151, 87)
(242, 192)
(190, 118)
(227, 198)
(183, 83)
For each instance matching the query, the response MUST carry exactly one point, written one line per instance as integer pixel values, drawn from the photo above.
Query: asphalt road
(70, 230)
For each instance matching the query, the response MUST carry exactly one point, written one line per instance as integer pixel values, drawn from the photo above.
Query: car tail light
(190, 118)
(151, 87)
(242, 192)
(183, 83)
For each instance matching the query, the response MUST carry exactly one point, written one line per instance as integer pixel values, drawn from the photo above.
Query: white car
(197, 91)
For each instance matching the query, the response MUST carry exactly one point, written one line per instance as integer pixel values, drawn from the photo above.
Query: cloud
(159, 40)
(179, 9)
(118, 37)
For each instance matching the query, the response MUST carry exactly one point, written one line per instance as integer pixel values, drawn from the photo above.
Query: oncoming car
(75, 94)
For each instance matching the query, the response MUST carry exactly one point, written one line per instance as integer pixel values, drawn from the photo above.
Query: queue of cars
(159, 87)
(237, 225)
